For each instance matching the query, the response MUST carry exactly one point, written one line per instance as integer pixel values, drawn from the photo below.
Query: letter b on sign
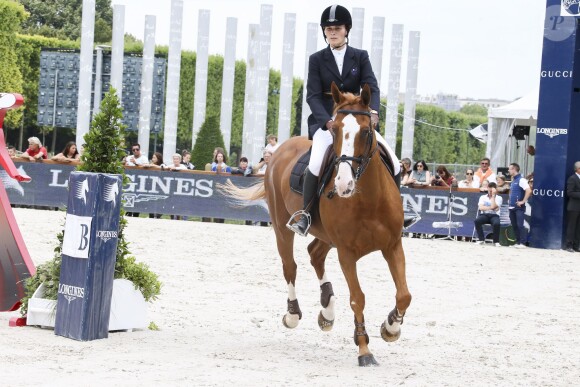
(77, 236)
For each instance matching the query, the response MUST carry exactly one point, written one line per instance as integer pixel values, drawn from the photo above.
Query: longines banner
(196, 194)
(557, 137)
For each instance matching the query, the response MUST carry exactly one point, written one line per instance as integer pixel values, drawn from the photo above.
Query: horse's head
(354, 139)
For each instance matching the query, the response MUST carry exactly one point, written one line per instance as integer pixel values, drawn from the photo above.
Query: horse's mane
(349, 99)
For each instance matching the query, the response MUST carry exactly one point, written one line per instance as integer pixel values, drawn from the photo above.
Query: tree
(208, 138)
(11, 16)
(62, 19)
(474, 110)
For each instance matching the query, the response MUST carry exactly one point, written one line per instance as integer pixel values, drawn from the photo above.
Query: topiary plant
(103, 153)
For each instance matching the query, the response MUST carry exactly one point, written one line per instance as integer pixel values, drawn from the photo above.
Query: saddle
(297, 174)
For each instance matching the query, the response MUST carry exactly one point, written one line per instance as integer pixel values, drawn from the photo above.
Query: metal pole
(53, 113)
(98, 81)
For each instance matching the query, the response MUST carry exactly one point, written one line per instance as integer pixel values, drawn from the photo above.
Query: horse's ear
(366, 95)
(336, 95)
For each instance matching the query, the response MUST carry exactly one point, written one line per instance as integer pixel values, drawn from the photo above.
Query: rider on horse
(349, 68)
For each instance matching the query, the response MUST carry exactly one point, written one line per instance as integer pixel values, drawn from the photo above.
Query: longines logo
(106, 235)
(570, 8)
(552, 132)
(70, 292)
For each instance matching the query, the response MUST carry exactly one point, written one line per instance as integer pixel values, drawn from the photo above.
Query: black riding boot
(310, 185)
(408, 220)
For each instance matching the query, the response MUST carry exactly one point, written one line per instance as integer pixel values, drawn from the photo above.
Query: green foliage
(12, 15)
(62, 19)
(103, 152)
(208, 138)
(153, 326)
(474, 110)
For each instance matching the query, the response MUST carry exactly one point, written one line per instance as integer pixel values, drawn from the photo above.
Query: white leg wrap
(328, 312)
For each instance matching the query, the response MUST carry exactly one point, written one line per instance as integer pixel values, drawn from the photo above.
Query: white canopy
(501, 121)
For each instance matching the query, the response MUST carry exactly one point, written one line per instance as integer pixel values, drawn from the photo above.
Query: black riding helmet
(335, 15)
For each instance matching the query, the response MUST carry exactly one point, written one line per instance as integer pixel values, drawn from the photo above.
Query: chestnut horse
(365, 215)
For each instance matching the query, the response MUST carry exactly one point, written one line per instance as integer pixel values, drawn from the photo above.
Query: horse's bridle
(362, 160)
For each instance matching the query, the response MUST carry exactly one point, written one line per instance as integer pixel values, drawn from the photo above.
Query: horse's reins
(362, 160)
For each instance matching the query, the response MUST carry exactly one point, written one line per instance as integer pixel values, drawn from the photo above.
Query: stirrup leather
(293, 224)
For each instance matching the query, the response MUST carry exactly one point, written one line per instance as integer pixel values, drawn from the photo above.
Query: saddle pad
(297, 174)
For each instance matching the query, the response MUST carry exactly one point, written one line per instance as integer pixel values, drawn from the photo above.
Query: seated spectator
(70, 153)
(156, 161)
(35, 151)
(502, 185)
(176, 165)
(220, 163)
(215, 152)
(405, 171)
(420, 174)
(186, 160)
(443, 178)
(243, 169)
(11, 152)
(489, 206)
(470, 181)
(137, 158)
(484, 186)
(263, 164)
(485, 172)
(272, 143)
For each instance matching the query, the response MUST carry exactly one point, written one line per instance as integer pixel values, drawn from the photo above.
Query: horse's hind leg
(391, 327)
(285, 242)
(318, 251)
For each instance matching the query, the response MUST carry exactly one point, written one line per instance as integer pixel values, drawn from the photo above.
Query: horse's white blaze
(344, 180)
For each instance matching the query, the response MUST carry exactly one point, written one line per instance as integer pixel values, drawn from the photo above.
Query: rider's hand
(374, 120)
(329, 124)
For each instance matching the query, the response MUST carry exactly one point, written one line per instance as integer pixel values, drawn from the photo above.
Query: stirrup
(292, 224)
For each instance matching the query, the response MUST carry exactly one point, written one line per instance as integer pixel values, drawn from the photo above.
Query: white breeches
(322, 139)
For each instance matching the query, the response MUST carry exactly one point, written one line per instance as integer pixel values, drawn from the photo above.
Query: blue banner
(88, 256)
(557, 135)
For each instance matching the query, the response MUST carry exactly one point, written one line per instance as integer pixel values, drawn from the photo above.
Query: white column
(85, 70)
(377, 42)
(228, 81)
(312, 31)
(394, 83)
(355, 37)
(286, 78)
(250, 93)
(410, 95)
(98, 81)
(173, 73)
(201, 64)
(147, 84)
(117, 54)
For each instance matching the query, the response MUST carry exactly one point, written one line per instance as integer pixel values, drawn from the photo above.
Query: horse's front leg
(285, 242)
(391, 327)
(357, 304)
(318, 251)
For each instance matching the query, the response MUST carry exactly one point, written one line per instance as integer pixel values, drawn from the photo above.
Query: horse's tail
(243, 196)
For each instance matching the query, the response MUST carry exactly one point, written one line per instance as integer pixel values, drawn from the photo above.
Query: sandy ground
(480, 315)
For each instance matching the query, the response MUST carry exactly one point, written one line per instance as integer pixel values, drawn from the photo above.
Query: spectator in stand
(11, 151)
(443, 178)
(176, 165)
(573, 210)
(489, 206)
(186, 160)
(272, 143)
(35, 151)
(70, 153)
(406, 171)
(485, 172)
(244, 168)
(502, 185)
(484, 186)
(470, 180)
(263, 165)
(420, 174)
(520, 192)
(220, 162)
(215, 152)
(156, 161)
(137, 158)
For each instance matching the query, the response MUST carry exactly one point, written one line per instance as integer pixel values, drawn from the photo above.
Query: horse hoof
(324, 324)
(367, 360)
(290, 321)
(388, 336)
